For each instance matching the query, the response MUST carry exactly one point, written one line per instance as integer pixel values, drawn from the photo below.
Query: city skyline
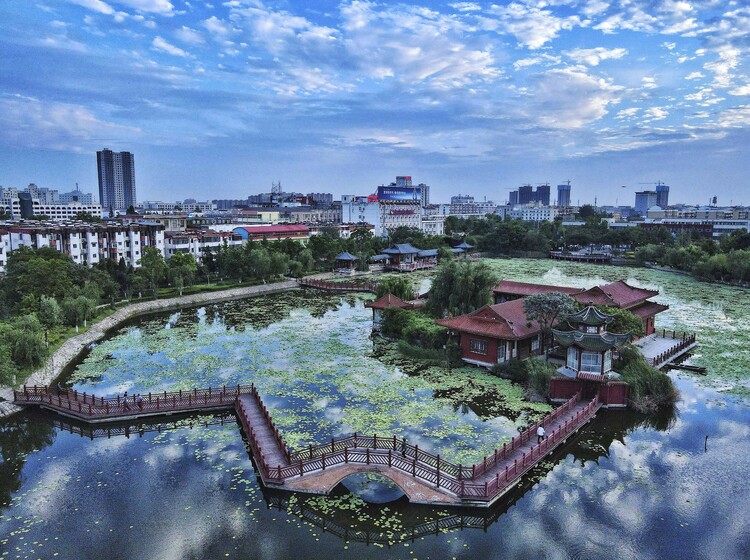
(336, 97)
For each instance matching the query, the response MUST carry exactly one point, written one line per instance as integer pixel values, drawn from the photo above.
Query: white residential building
(86, 244)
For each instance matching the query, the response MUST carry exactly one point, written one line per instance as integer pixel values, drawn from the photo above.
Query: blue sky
(219, 99)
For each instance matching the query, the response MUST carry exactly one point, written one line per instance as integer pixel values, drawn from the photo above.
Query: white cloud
(648, 83)
(694, 76)
(32, 123)
(217, 26)
(740, 90)
(190, 36)
(593, 57)
(466, 6)
(532, 27)
(656, 113)
(163, 7)
(570, 98)
(95, 5)
(160, 44)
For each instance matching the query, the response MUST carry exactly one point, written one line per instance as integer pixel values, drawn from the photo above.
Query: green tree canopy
(399, 286)
(461, 287)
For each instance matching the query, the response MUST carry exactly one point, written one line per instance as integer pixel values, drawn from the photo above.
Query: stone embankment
(74, 346)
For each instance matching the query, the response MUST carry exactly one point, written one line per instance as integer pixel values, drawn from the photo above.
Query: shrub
(650, 389)
(413, 327)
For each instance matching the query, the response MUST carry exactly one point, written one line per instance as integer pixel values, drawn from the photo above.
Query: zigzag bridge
(422, 476)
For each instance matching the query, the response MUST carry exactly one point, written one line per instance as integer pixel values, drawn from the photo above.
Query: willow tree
(461, 287)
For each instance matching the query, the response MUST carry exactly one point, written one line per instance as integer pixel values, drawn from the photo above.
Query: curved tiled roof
(388, 300)
(590, 316)
(595, 342)
(617, 294)
(529, 289)
(505, 321)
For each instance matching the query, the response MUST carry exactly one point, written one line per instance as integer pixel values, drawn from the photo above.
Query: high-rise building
(525, 194)
(542, 194)
(662, 195)
(644, 200)
(425, 194)
(116, 179)
(563, 194)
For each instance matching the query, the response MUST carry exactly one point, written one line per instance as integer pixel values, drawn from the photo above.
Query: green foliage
(461, 287)
(624, 321)
(50, 313)
(78, 310)
(649, 389)
(87, 217)
(547, 308)
(153, 268)
(413, 327)
(533, 374)
(399, 286)
(21, 345)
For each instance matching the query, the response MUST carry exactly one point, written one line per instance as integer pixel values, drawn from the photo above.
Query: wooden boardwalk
(337, 286)
(424, 477)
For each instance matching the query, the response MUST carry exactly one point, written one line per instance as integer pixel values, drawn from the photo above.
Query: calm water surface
(626, 487)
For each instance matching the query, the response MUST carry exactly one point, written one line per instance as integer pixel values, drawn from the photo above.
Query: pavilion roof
(506, 321)
(428, 253)
(464, 245)
(648, 309)
(402, 249)
(529, 289)
(590, 316)
(388, 300)
(595, 342)
(345, 256)
(617, 294)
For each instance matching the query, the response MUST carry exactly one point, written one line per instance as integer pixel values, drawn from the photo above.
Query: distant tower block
(563, 194)
(662, 195)
(116, 179)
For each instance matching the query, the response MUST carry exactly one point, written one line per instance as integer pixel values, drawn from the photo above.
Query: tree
(153, 267)
(546, 308)
(50, 314)
(87, 217)
(624, 321)
(181, 269)
(130, 210)
(460, 287)
(399, 286)
(77, 310)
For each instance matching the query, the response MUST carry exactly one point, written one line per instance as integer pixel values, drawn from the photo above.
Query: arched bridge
(424, 477)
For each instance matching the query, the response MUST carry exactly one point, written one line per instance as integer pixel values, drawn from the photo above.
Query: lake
(628, 486)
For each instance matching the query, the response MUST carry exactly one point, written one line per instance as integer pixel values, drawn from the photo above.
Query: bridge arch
(324, 481)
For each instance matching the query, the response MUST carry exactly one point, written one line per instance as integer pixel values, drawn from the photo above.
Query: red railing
(687, 340)
(338, 286)
(464, 482)
(88, 406)
(506, 477)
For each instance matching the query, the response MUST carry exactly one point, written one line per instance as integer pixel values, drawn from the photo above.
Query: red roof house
(495, 333)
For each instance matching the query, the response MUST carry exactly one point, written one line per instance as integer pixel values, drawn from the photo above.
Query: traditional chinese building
(404, 257)
(346, 263)
(616, 294)
(588, 365)
(494, 334)
(377, 306)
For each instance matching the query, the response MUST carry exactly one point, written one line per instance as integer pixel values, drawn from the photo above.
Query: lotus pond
(628, 486)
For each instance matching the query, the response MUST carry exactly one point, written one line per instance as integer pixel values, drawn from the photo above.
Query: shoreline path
(71, 348)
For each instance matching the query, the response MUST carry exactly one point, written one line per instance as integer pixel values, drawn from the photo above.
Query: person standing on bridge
(540, 434)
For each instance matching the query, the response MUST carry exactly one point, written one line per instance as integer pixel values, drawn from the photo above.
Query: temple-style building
(346, 263)
(404, 257)
(616, 294)
(588, 365)
(377, 306)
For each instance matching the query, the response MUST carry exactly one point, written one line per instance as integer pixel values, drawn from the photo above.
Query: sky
(220, 99)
